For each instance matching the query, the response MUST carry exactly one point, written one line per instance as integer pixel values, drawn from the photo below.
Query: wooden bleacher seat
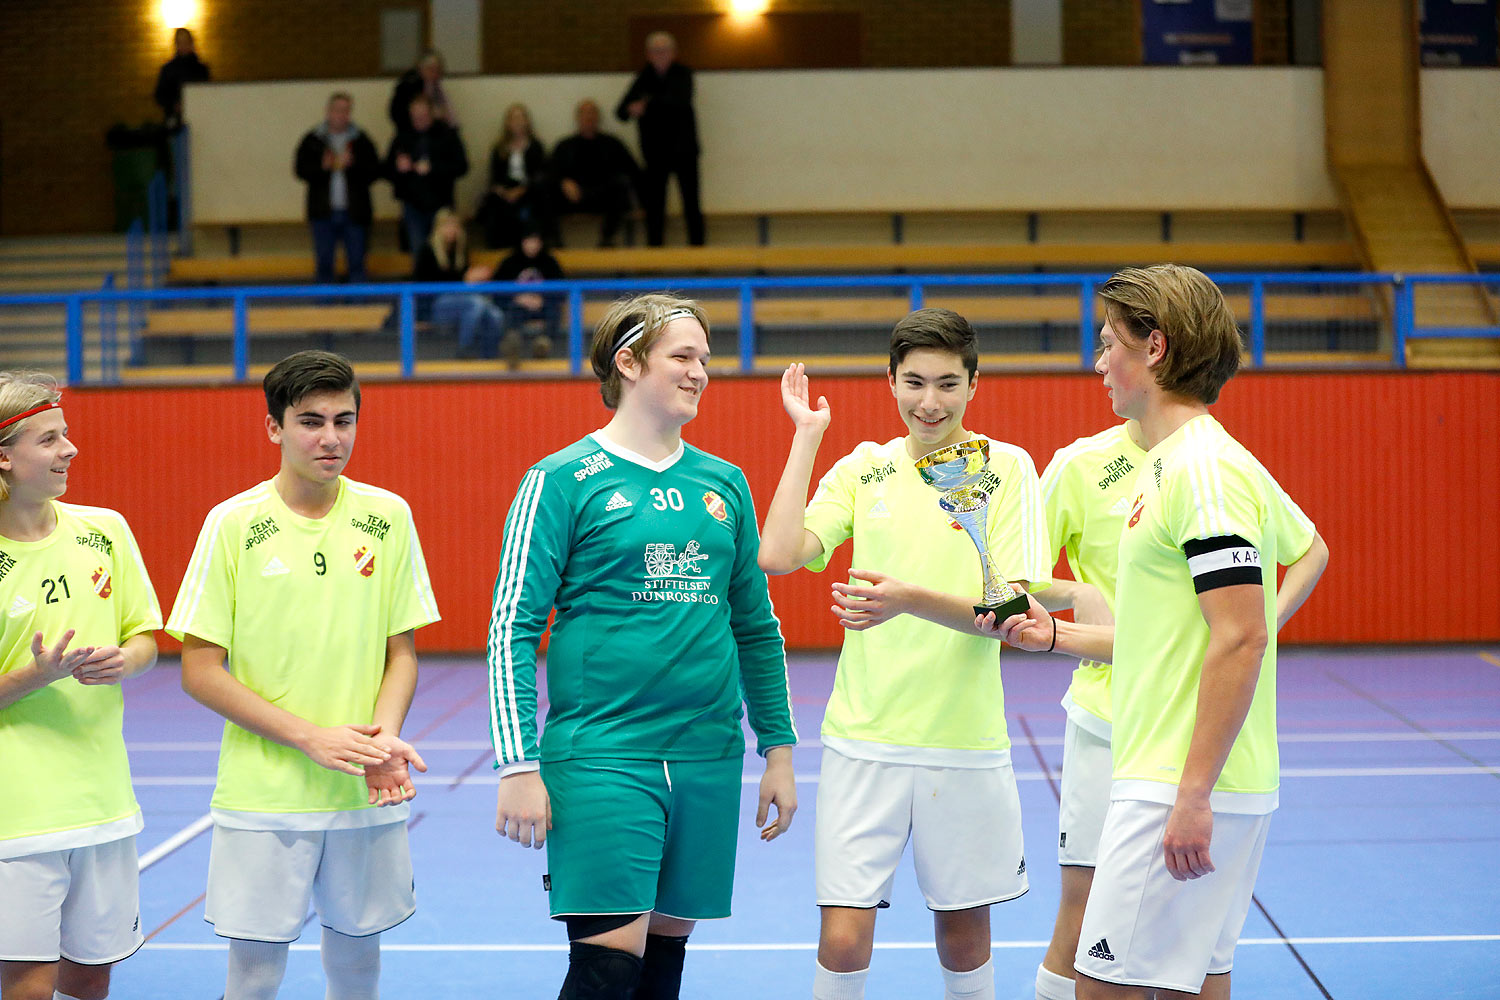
(268, 320)
(871, 258)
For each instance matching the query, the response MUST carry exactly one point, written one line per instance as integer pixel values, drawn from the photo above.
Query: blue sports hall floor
(1379, 880)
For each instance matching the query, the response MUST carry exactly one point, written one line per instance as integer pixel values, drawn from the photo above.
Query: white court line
(175, 841)
(207, 746)
(813, 945)
(812, 779)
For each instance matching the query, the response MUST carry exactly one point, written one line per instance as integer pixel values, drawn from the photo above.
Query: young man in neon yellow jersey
(915, 743)
(77, 613)
(311, 587)
(1193, 690)
(1087, 488)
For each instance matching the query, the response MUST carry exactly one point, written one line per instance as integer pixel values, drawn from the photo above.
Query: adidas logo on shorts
(616, 502)
(1101, 951)
(1021, 868)
(1062, 839)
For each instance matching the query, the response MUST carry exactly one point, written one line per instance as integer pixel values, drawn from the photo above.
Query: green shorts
(633, 836)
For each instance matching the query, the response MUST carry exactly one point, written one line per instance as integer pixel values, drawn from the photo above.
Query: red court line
(1490, 658)
(174, 917)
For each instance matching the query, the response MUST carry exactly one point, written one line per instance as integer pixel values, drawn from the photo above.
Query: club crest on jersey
(364, 561)
(714, 504)
(101, 582)
(1135, 510)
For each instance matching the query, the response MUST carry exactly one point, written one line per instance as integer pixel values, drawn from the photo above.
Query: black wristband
(1053, 645)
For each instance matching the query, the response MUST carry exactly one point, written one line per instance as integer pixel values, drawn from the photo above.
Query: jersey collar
(636, 458)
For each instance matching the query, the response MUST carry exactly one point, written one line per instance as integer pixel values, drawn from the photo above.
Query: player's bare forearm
(1231, 667)
(398, 683)
(22, 681)
(1301, 577)
(1063, 595)
(140, 653)
(207, 682)
(948, 610)
(785, 541)
(1087, 642)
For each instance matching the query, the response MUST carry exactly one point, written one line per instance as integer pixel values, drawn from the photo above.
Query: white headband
(636, 332)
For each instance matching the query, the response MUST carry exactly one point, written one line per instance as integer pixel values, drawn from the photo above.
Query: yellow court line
(1490, 658)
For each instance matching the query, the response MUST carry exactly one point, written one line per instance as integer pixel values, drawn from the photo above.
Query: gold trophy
(956, 472)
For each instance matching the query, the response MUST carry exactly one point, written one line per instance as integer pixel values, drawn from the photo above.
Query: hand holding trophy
(956, 472)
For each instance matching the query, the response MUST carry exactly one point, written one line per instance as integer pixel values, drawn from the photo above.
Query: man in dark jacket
(422, 164)
(660, 99)
(184, 67)
(339, 163)
(595, 173)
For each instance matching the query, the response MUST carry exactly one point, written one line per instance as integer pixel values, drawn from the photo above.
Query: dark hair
(938, 330)
(300, 375)
(1203, 341)
(340, 95)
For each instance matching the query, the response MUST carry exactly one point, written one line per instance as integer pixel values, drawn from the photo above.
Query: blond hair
(19, 392)
(1203, 342)
(651, 312)
(448, 257)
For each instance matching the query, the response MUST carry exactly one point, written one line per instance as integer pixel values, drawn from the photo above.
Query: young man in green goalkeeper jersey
(309, 588)
(914, 737)
(1193, 689)
(77, 613)
(1087, 489)
(645, 547)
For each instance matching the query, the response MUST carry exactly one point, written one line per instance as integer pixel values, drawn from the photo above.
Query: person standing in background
(339, 163)
(184, 67)
(424, 79)
(660, 99)
(422, 164)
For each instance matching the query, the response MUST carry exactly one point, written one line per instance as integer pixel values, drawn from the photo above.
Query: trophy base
(1015, 606)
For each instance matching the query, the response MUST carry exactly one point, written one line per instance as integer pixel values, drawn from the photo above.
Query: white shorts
(964, 825)
(82, 904)
(1088, 767)
(261, 881)
(1142, 927)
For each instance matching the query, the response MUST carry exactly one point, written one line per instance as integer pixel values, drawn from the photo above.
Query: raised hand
(390, 783)
(794, 400)
(344, 748)
(59, 661)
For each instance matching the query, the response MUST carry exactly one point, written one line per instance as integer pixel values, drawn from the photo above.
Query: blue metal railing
(137, 297)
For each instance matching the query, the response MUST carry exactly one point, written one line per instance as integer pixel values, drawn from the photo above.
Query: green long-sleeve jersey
(664, 626)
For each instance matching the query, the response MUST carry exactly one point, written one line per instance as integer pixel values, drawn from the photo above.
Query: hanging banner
(1459, 33)
(1198, 32)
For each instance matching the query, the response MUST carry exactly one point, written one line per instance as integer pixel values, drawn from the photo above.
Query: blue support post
(181, 161)
(241, 338)
(408, 334)
(747, 328)
(1086, 331)
(109, 356)
(1404, 320)
(575, 330)
(1258, 323)
(74, 309)
(918, 296)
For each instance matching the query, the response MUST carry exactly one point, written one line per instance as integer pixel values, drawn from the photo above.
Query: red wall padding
(1400, 471)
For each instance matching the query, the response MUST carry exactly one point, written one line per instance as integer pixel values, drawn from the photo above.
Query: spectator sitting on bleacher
(517, 195)
(426, 79)
(530, 317)
(422, 164)
(594, 172)
(444, 256)
(660, 99)
(339, 163)
(184, 67)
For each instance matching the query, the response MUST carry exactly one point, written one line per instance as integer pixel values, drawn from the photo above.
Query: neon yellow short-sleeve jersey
(62, 745)
(304, 606)
(1198, 488)
(910, 683)
(1087, 489)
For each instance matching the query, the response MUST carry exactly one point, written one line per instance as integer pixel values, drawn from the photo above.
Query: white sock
(976, 985)
(839, 985)
(1051, 986)
(352, 965)
(256, 969)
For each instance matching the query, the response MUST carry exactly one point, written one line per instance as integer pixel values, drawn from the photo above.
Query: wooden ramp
(1398, 217)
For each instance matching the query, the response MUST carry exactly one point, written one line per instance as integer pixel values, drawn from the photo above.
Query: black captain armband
(1222, 561)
